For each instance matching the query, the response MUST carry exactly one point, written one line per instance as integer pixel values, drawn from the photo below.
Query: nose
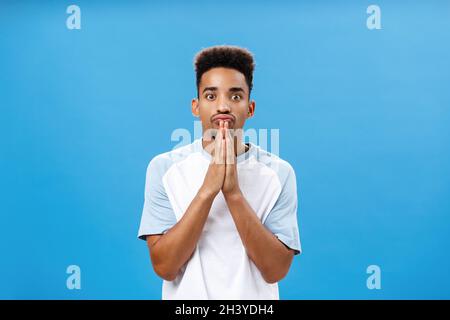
(223, 107)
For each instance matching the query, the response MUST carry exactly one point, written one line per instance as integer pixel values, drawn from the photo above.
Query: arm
(169, 252)
(269, 254)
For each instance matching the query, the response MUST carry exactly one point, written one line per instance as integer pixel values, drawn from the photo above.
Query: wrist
(233, 195)
(206, 193)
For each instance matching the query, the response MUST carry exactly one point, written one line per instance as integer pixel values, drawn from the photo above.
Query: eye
(238, 97)
(209, 96)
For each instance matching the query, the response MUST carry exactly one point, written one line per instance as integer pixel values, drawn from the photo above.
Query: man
(220, 216)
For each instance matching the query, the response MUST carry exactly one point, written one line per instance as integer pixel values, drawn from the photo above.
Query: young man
(220, 216)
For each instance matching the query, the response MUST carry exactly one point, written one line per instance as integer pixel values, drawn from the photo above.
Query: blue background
(363, 116)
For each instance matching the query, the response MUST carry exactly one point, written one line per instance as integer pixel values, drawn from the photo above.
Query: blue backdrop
(363, 117)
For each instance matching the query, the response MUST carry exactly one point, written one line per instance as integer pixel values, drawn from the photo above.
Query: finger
(218, 145)
(224, 123)
(230, 155)
(223, 144)
(223, 153)
(219, 133)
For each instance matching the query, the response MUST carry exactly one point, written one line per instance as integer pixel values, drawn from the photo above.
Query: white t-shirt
(220, 267)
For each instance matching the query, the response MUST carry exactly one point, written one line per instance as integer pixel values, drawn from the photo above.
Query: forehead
(223, 77)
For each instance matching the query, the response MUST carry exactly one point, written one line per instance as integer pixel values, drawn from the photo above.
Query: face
(223, 95)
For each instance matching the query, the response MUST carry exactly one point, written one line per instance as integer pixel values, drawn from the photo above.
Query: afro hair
(225, 56)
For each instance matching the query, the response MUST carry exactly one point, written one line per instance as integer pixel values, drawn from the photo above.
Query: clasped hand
(222, 171)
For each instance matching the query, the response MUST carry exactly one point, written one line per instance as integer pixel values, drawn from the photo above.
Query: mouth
(224, 117)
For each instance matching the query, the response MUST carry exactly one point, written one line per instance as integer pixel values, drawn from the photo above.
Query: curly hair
(225, 56)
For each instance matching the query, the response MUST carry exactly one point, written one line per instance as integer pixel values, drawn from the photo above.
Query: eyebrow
(233, 89)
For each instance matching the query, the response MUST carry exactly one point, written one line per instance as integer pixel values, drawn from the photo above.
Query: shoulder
(160, 163)
(281, 167)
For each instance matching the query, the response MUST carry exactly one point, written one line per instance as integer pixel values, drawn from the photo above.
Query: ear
(195, 107)
(251, 109)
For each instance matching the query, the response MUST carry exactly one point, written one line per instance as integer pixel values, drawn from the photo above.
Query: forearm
(175, 247)
(271, 257)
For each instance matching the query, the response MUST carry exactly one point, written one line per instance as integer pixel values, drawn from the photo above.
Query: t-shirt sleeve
(157, 214)
(282, 219)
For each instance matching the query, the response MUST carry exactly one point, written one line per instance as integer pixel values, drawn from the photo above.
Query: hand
(231, 183)
(215, 175)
